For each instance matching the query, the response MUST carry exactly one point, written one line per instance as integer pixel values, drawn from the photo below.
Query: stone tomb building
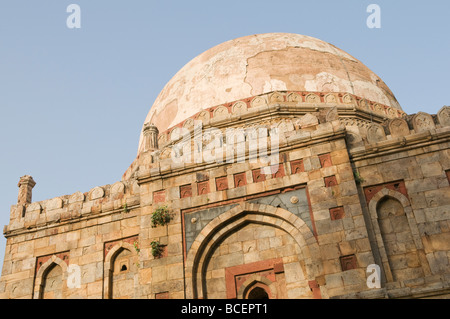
(341, 180)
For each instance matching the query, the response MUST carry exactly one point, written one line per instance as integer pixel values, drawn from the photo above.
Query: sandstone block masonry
(356, 184)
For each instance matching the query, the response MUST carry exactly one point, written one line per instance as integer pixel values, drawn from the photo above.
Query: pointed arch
(108, 267)
(257, 281)
(242, 214)
(374, 205)
(45, 268)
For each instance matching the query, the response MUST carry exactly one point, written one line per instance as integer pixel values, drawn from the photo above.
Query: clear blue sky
(73, 101)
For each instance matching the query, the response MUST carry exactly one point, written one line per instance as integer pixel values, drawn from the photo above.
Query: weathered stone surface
(444, 116)
(375, 133)
(398, 127)
(97, 193)
(423, 122)
(343, 196)
(307, 120)
(117, 188)
(34, 207)
(54, 203)
(76, 197)
(333, 118)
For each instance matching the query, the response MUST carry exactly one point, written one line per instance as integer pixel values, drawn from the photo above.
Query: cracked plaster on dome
(259, 64)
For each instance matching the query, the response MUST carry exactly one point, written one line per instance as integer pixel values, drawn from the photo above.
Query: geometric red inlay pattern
(258, 176)
(43, 259)
(203, 188)
(330, 181)
(314, 286)
(159, 196)
(279, 172)
(297, 166)
(325, 160)
(186, 191)
(348, 262)
(235, 276)
(337, 213)
(399, 186)
(109, 245)
(222, 183)
(162, 295)
(240, 180)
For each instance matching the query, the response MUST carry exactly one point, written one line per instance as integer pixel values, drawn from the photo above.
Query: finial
(150, 132)
(26, 184)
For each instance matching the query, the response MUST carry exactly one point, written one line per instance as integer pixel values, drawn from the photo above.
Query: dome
(258, 64)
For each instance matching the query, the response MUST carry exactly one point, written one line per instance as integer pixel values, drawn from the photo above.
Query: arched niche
(51, 279)
(234, 220)
(257, 287)
(120, 271)
(397, 235)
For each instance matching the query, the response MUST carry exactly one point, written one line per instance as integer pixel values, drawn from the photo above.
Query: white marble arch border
(242, 214)
(404, 201)
(109, 263)
(43, 270)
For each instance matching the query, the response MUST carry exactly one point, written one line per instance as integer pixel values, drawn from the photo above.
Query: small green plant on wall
(161, 216)
(157, 249)
(138, 250)
(358, 178)
(136, 247)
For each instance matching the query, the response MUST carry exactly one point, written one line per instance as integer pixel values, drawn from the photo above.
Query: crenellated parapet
(289, 114)
(250, 183)
(244, 144)
(284, 103)
(118, 197)
(287, 110)
(397, 132)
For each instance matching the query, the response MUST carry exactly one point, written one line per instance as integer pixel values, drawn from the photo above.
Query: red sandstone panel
(109, 245)
(348, 262)
(278, 172)
(265, 268)
(43, 259)
(297, 166)
(159, 196)
(399, 186)
(330, 181)
(337, 213)
(186, 191)
(203, 188)
(162, 295)
(325, 160)
(258, 175)
(222, 183)
(315, 289)
(240, 180)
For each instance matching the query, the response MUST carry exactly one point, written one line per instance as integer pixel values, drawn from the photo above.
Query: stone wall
(353, 185)
(78, 227)
(408, 167)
